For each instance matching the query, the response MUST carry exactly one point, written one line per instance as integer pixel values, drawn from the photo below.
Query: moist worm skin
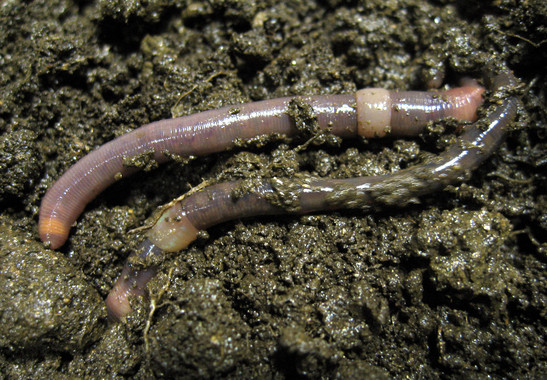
(369, 113)
(178, 225)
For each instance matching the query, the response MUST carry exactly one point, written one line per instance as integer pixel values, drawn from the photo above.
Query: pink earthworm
(180, 223)
(371, 112)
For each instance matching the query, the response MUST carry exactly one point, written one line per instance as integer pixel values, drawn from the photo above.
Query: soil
(449, 287)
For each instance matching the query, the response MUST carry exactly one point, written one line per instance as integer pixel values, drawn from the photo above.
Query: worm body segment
(369, 113)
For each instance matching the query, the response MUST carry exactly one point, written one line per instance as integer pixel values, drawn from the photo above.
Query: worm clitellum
(369, 113)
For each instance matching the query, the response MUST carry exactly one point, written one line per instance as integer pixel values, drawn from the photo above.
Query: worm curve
(369, 113)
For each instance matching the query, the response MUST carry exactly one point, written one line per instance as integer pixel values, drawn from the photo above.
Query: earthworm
(179, 224)
(369, 113)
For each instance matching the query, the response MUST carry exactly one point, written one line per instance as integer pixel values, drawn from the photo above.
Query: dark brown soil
(450, 287)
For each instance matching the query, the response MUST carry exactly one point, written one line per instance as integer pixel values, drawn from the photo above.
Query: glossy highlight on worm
(179, 224)
(370, 112)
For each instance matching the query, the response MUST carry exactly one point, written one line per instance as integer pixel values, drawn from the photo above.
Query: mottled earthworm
(179, 224)
(370, 113)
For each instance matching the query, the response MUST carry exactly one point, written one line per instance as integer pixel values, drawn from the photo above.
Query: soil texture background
(451, 286)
